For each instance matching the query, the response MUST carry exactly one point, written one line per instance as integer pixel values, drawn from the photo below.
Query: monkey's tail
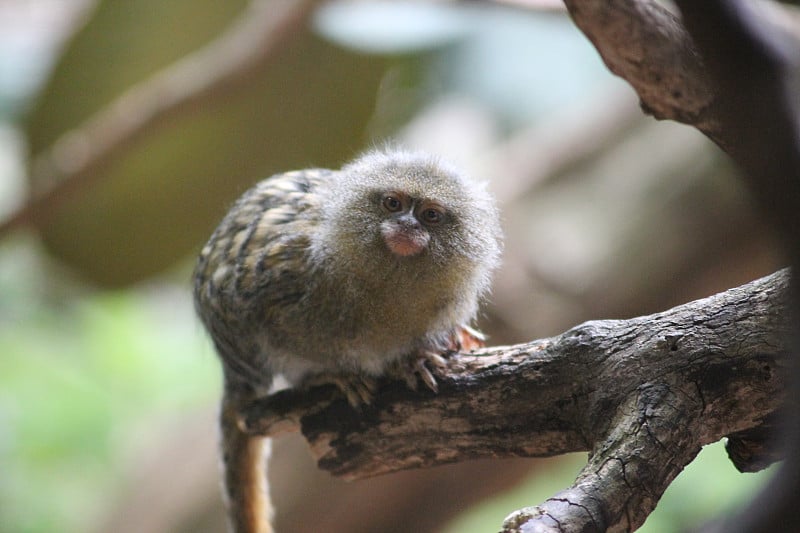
(244, 460)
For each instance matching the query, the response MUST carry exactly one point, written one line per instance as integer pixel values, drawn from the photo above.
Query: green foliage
(76, 379)
(709, 486)
(547, 477)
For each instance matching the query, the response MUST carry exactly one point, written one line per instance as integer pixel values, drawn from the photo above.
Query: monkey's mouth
(404, 241)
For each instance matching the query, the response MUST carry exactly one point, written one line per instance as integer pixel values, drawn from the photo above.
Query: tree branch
(641, 395)
(642, 42)
(649, 47)
(754, 65)
(745, 99)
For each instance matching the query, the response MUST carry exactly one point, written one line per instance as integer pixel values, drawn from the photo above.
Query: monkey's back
(252, 267)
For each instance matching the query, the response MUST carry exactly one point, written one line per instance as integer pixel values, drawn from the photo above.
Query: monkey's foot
(422, 364)
(419, 367)
(357, 388)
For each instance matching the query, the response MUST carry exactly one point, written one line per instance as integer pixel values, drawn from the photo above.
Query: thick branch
(642, 395)
(642, 42)
(649, 47)
(755, 67)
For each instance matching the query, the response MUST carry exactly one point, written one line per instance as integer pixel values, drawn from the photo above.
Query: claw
(420, 366)
(435, 359)
(364, 387)
(425, 374)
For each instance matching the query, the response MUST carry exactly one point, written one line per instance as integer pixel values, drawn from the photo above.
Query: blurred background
(135, 124)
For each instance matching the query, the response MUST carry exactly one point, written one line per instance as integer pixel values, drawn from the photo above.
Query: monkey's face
(407, 223)
(405, 214)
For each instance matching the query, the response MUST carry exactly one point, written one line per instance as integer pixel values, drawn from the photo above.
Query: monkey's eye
(392, 204)
(432, 215)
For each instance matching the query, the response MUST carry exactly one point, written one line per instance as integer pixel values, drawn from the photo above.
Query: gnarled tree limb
(732, 72)
(649, 47)
(641, 395)
(642, 42)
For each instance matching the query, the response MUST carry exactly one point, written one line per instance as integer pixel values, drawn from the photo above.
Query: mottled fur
(298, 279)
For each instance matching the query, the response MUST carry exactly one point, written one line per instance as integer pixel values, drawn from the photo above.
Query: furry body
(346, 273)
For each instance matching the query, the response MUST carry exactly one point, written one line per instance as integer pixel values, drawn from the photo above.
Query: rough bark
(753, 62)
(729, 68)
(641, 395)
(650, 48)
(642, 42)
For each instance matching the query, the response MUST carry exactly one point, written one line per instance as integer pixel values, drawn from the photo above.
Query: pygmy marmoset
(339, 276)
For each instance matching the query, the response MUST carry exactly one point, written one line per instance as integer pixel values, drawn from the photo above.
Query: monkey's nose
(404, 235)
(408, 222)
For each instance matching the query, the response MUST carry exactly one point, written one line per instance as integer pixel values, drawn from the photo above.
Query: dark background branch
(755, 69)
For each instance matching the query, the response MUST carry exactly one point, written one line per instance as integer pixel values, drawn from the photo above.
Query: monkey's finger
(425, 375)
(370, 384)
(437, 360)
(357, 389)
(402, 369)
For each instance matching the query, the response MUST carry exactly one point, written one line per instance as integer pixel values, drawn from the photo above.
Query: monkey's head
(408, 211)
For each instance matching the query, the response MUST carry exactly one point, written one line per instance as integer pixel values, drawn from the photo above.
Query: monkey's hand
(426, 362)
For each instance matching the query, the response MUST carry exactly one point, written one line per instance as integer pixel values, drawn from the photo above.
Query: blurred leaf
(161, 199)
(709, 486)
(121, 44)
(84, 383)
